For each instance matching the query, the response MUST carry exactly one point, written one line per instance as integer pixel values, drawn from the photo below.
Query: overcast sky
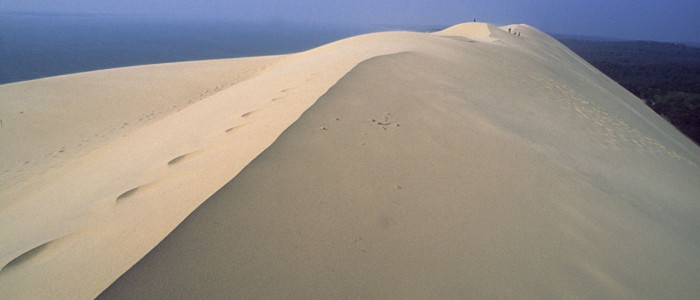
(660, 20)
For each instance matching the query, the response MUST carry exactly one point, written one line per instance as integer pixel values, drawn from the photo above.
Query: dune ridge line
(87, 214)
(118, 170)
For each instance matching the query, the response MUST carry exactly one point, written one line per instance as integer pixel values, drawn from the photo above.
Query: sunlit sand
(467, 163)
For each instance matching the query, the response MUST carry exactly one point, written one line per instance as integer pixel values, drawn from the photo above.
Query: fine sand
(469, 163)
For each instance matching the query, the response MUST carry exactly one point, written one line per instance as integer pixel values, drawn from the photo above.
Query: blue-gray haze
(36, 46)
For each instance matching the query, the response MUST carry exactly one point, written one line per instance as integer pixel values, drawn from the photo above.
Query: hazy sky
(661, 20)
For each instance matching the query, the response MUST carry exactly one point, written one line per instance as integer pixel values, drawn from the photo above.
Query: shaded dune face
(415, 176)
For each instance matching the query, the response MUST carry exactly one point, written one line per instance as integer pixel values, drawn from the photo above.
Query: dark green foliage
(682, 109)
(634, 52)
(665, 75)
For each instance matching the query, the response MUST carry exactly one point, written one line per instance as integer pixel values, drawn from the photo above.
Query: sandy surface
(469, 163)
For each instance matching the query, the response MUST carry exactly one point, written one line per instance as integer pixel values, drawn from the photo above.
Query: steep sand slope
(465, 163)
(124, 176)
(472, 168)
(49, 121)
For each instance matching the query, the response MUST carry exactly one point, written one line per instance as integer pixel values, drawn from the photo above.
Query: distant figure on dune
(474, 20)
(518, 34)
(508, 30)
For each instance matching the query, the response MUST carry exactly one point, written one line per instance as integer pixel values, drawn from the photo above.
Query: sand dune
(473, 31)
(465, 163)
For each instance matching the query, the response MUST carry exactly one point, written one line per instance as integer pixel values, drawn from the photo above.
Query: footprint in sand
(132, 192)
(183, 157)
(250, 113)
(26, 256)
(177, 159)
(128, 193)
(29, 255)
(234, 128)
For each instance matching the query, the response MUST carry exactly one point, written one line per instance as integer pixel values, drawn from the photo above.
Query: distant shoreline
(44, 45)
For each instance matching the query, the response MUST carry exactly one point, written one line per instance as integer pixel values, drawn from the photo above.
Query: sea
(42, 45)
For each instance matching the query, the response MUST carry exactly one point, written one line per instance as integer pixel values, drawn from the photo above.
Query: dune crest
(360, 162)
(475, 31)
